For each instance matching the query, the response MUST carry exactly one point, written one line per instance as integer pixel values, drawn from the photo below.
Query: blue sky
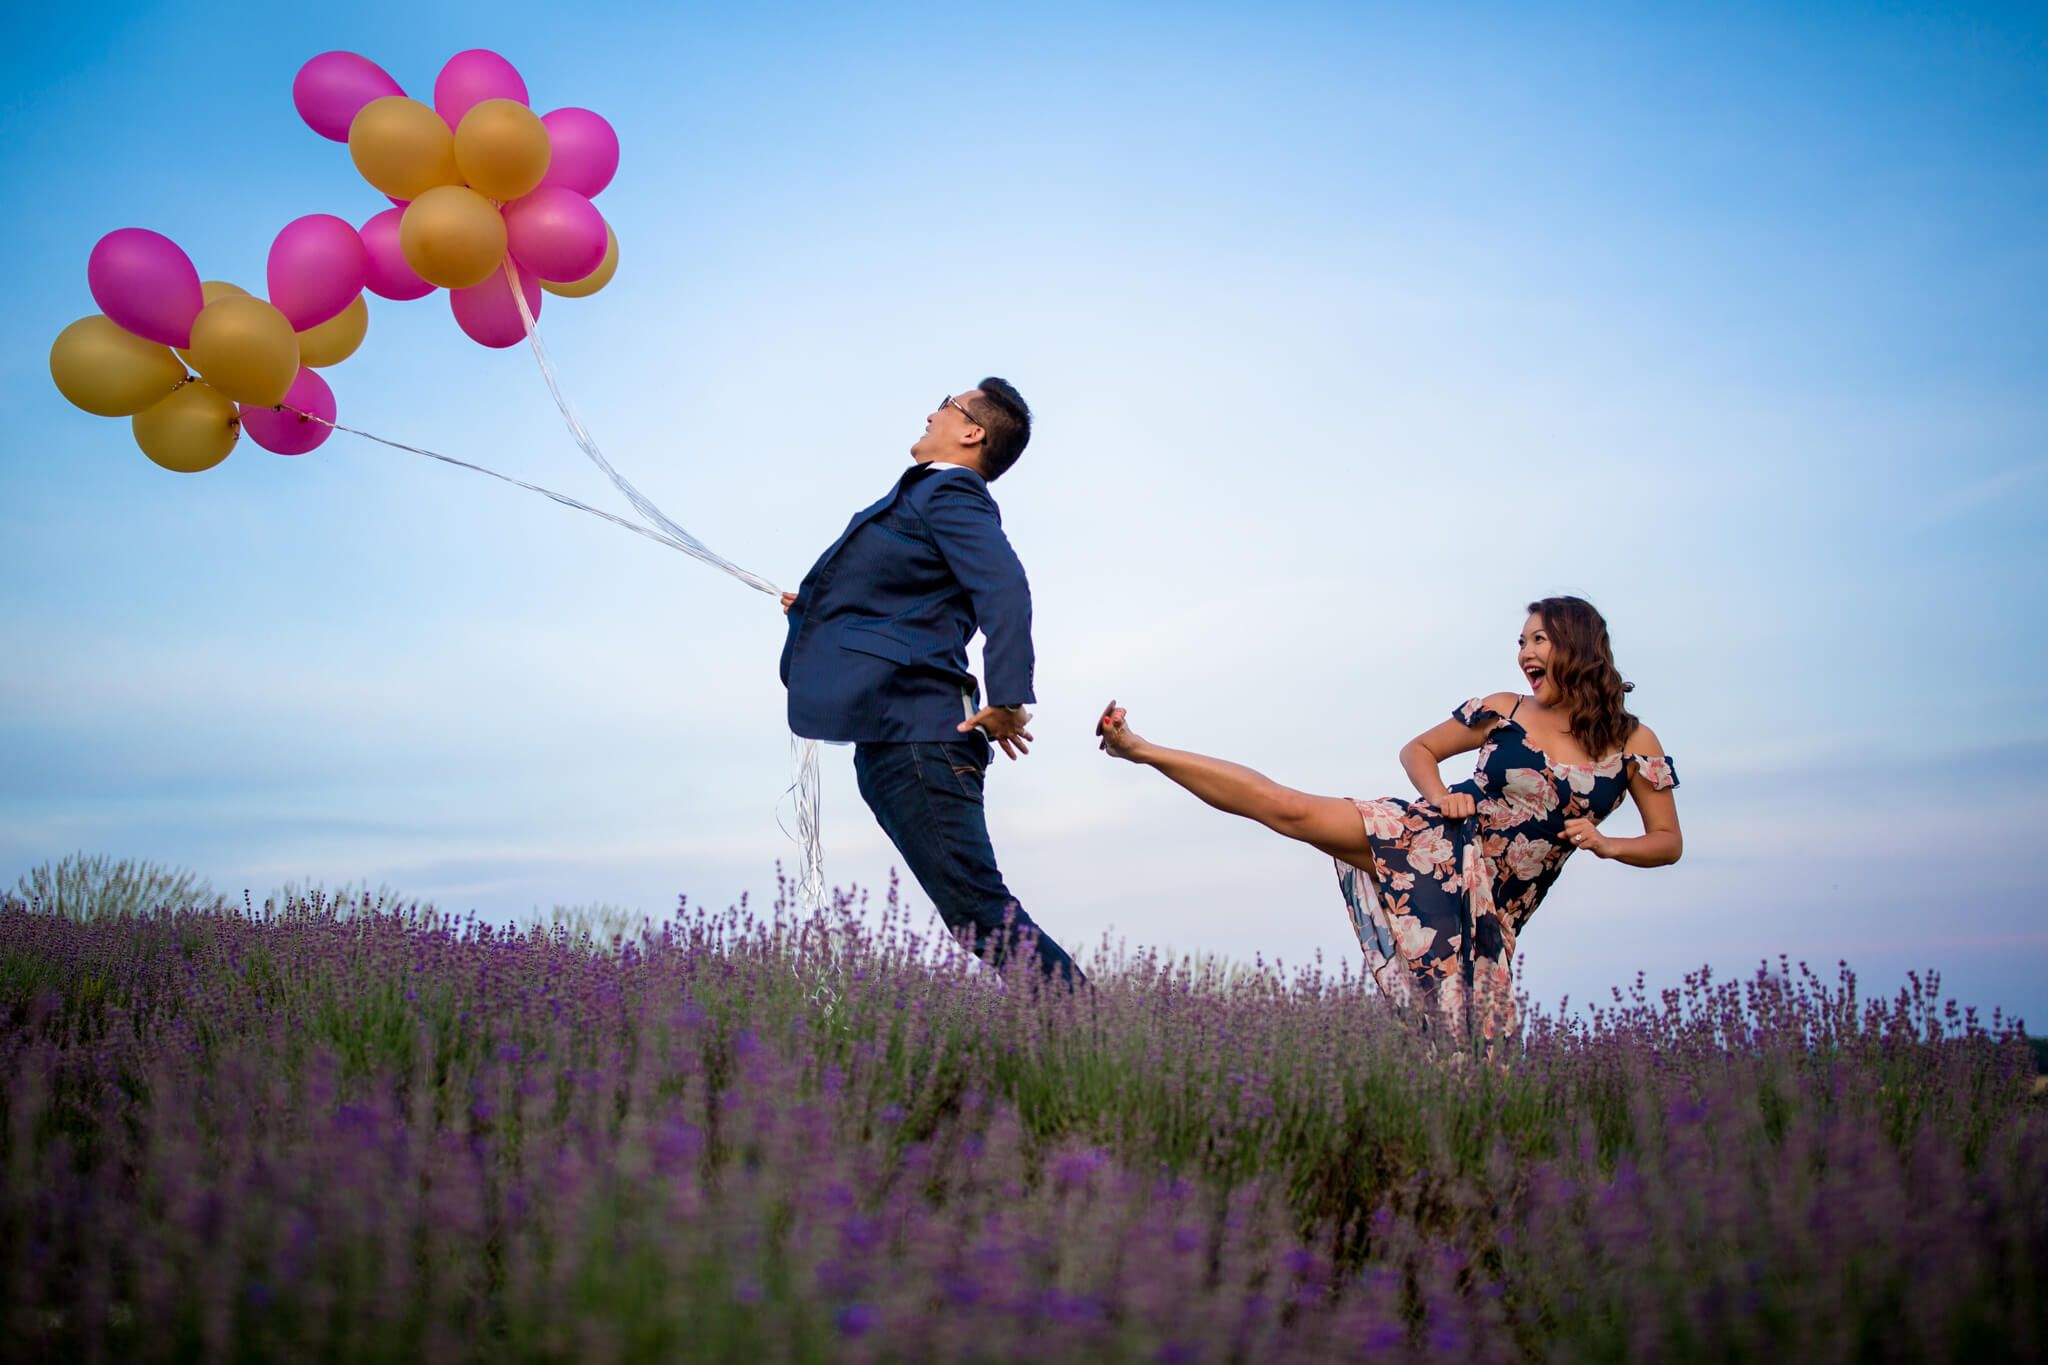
(1349, 330)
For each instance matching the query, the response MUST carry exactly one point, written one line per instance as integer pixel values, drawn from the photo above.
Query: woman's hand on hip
(1583, 833)
(1458, 806)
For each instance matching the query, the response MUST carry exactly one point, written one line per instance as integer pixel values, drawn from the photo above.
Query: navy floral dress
(1439, 910)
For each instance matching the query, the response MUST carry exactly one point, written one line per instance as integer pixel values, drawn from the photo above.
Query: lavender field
(365, 1132)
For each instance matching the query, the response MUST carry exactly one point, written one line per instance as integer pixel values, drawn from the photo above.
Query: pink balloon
(331, 90)
(556, 233)
(386, 273)
(488, 313)
(147, 285)
(317, 267)
(287, 433)
(471, 78)
(583, 151)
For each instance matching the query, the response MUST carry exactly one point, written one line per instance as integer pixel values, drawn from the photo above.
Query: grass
(94, 887)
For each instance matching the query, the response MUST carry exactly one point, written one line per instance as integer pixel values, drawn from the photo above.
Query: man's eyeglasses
(952, 403)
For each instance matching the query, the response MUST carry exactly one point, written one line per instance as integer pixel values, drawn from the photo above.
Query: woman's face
(1532, 656)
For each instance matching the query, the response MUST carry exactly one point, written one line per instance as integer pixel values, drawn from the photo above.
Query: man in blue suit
(877, 655)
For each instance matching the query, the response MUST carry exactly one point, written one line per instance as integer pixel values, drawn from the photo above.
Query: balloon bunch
(255, 359)
(486, 191)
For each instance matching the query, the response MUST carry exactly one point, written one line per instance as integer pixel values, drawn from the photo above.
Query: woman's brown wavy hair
(1582, 666)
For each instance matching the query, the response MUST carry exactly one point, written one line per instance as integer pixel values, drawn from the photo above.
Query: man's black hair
(1003, 415)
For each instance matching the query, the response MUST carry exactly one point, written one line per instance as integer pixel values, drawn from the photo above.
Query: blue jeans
(927, 798)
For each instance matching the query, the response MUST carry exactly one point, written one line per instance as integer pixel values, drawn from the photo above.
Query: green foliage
(344, 901)
(94, 887)
(598, 927)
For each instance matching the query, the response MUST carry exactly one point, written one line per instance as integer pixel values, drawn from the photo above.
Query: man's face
(949, 433)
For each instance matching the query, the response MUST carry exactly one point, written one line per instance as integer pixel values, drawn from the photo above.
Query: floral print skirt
(1441, 952)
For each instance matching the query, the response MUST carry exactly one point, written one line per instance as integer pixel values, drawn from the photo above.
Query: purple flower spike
(856, 1319)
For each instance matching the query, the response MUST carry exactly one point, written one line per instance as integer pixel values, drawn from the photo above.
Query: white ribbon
(805, 785)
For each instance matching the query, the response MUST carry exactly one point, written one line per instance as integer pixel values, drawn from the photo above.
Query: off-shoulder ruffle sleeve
(1474, 713)
(1658, 771)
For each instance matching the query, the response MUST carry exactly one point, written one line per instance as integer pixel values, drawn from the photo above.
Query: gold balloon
(336, 339)
(452, 236)
(191, 430)
(109, 371)
(209, 290)
(502, 149)
(246, 349)
(402, 147)
(596, 279)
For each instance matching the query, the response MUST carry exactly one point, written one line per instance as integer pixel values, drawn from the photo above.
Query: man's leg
(927, 798)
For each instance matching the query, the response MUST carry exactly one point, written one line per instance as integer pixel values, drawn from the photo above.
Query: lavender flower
(350, 1130)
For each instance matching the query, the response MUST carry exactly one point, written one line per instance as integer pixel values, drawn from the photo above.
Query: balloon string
(584, 441)
(562, 498)
(806, 787)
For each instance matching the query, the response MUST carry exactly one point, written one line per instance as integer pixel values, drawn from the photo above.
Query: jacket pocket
(863, 641)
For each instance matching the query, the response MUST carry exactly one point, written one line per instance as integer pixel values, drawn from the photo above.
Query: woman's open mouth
(1536, 677)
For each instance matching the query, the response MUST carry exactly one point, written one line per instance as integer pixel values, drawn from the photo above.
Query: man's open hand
(1004, 726)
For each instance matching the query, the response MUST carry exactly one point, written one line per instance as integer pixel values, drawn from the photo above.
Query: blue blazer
(877, 646)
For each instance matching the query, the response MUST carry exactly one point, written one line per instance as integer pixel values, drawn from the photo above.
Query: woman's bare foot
(1118, 739)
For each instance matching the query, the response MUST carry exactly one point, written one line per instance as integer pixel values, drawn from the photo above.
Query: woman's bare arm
(1422, 756)
(1660, 844)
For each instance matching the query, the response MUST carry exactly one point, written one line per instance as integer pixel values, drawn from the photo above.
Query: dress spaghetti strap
(1516, 707)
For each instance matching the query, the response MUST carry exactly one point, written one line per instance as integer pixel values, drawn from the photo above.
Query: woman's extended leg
(1329, 823)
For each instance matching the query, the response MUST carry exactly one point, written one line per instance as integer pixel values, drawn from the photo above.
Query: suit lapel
(868, 514)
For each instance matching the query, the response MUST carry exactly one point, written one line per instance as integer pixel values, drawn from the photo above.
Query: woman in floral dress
(1439, 888)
